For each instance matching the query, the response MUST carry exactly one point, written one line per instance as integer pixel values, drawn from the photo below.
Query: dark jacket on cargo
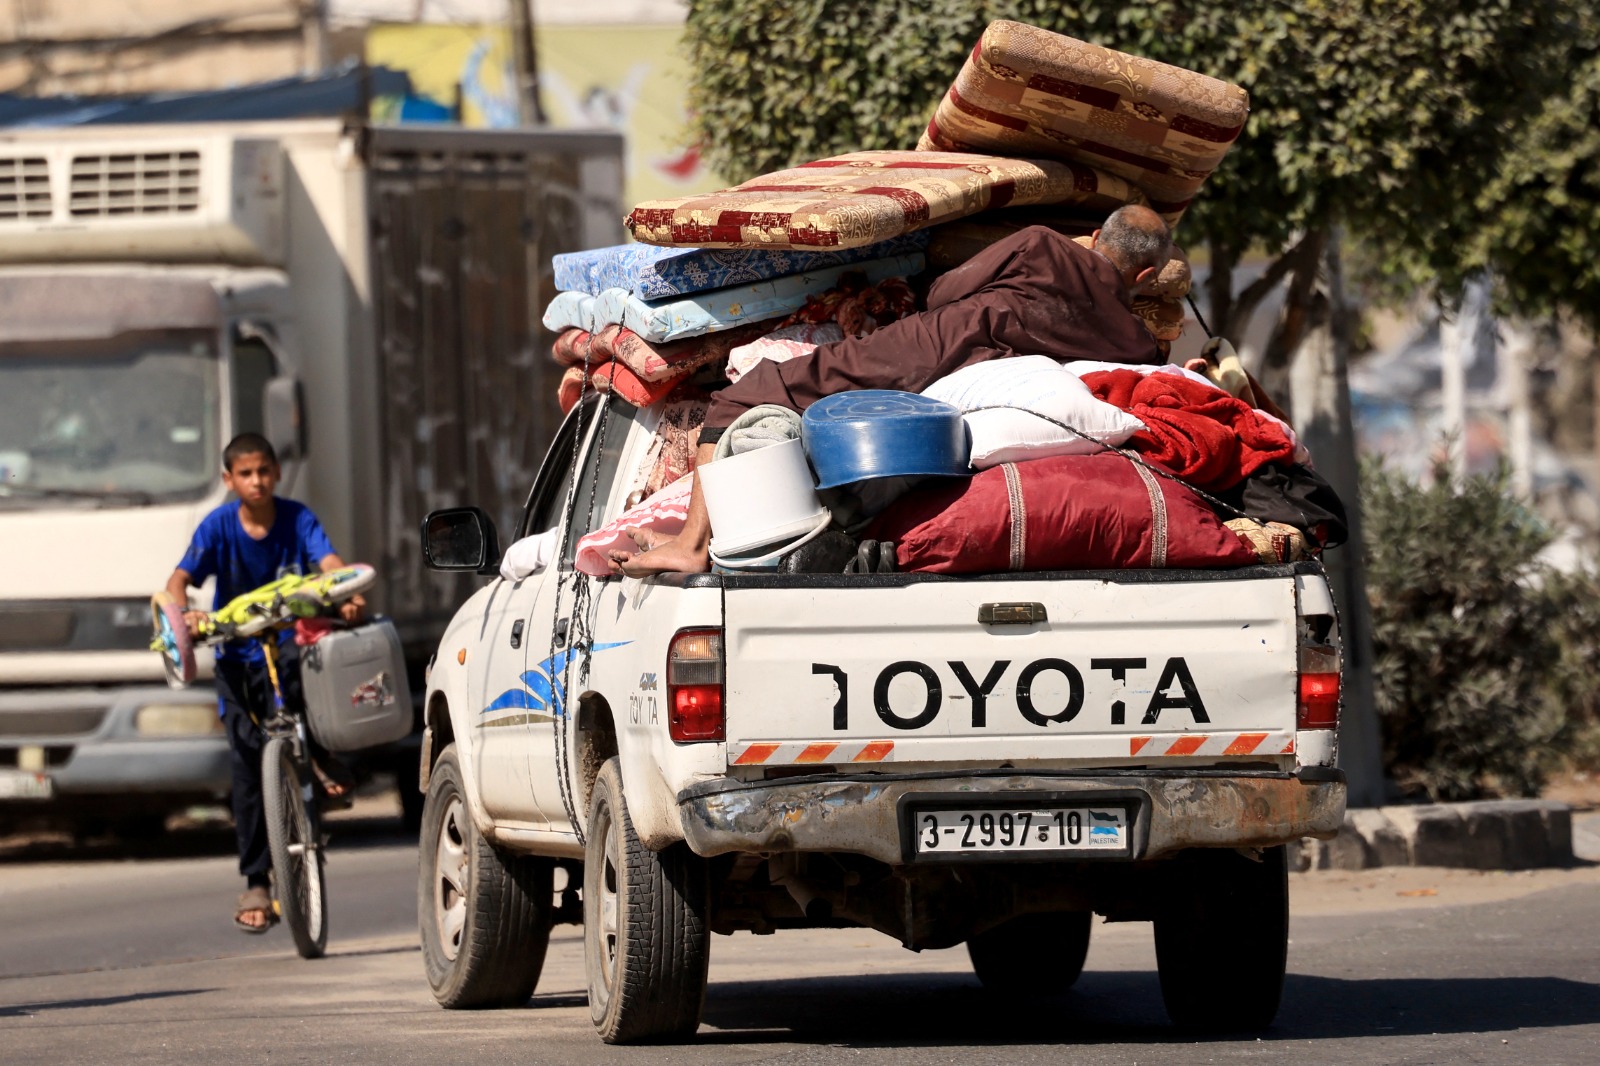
(1033, 293)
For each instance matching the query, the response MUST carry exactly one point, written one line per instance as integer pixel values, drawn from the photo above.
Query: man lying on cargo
(1033, 293)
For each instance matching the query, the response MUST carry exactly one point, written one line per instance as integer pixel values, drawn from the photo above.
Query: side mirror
(460, 538)
(283, 418)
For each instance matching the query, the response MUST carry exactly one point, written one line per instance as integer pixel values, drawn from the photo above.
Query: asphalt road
(109, 959)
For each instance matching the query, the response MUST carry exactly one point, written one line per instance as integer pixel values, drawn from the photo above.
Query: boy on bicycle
(245, 545)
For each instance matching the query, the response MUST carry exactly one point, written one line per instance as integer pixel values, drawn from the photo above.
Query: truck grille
(24, 188)
(36, 628)
(135, 183)
(62, 722)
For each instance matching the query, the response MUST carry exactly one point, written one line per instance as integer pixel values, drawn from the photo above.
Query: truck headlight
(177, 720)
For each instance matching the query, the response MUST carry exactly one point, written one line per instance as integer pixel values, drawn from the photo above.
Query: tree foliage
(1470, 671)
(1446, 135)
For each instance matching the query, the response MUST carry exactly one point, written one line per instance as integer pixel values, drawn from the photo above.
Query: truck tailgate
(1135, 671)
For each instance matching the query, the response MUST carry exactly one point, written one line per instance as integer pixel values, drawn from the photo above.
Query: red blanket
(1197, 431)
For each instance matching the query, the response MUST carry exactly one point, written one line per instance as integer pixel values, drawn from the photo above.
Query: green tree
(1444, 136)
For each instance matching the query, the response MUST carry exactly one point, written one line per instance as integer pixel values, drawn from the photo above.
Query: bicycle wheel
(296, 850)
(172, 635)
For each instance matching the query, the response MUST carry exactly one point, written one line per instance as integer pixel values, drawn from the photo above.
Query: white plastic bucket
(760, 497)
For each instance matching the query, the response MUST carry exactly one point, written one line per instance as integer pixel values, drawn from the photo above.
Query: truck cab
(354, 293)
(119, 385)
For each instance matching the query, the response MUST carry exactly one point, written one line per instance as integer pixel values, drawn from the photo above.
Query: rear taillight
(1319, 687)
(694, 686)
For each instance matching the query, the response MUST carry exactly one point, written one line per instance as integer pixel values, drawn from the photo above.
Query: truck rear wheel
(484, 914)
(1222, 946)
(1037, 954)
(645, 936)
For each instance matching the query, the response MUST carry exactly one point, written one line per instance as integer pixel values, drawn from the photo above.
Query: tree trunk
(1323, 417)
(1304, 309)
(1219, 293)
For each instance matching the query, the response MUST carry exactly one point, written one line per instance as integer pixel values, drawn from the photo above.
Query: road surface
(110, 959)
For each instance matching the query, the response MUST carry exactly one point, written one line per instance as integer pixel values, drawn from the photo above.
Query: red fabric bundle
(1197, 431)
(666, 362)
(571, 388)
(617, 378)
(1070, 512)
(571, 347)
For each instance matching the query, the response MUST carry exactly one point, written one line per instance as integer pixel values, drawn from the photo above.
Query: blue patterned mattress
(651, 273)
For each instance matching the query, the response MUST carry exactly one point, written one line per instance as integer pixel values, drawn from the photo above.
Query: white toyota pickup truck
(990, 759)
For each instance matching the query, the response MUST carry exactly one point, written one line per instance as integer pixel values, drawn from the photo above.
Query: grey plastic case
(355, 687)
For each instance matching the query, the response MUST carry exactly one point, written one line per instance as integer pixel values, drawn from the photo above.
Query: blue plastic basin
(878, 433)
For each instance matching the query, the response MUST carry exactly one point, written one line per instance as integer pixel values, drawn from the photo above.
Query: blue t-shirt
(221, 548)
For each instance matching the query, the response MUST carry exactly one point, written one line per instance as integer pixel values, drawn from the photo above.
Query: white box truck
(367, 297)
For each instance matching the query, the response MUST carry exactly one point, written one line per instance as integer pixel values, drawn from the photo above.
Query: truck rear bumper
(861, 814)
(92, 745)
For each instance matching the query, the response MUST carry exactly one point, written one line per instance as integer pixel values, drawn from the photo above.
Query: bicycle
(288, 781)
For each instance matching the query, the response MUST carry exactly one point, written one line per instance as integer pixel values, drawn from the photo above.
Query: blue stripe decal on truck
(542, 689)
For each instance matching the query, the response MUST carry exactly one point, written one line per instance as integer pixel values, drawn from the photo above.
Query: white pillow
(1081, 367)
(1026, 383)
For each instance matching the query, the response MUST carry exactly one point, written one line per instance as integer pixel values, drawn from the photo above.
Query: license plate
(26, 785)
(1011, 830)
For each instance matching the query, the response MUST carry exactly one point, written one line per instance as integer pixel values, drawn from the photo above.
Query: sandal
(255, 899)
(332, 774)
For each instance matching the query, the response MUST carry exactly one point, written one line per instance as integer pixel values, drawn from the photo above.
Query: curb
(1483, 835)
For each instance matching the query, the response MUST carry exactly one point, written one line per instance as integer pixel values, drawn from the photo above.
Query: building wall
(50, 47)
(631, 78)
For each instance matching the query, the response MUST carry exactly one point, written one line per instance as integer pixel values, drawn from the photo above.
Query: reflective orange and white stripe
(801, 752)
(1212, 744)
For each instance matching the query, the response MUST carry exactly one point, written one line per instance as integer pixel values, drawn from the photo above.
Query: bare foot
(666, 557)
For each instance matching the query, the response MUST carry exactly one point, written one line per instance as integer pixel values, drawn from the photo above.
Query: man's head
(250, 468)
(1138, 244)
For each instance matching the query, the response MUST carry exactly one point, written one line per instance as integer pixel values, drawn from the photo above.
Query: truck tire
(1032, 954)
(484, 914)
(1222, 947)
(645, 935)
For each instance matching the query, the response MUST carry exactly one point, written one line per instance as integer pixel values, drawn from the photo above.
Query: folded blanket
(572, 347)
(781, 345)
(651, 272)
(570, 390)
(667, 362)
(864, 197)
(616, 378)
(759, 427)
(1026, 91)
(708, 312)
(1195, 430)
(570, 310)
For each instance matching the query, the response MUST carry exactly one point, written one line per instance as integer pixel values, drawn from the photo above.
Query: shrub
(1468, 670)
(1575, 685)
